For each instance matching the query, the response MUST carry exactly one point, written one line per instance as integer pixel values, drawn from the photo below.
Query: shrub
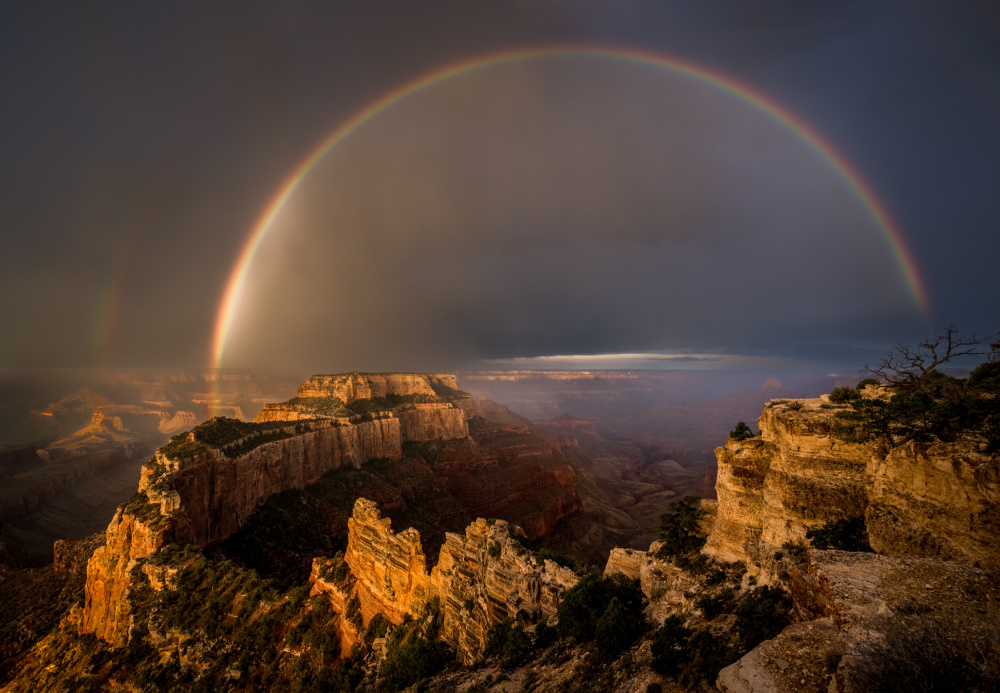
(545, 635)
(508, 642)
(708, 654)
(493, 549)
(845, 535)
(377, 628)
(794, 405)
(669, 646)
(615, 630)
(410, 658)
(679, 531)
(715, 576)
(588, 601)
(865, 382)
(718, 604)
(843, 395)
(925, 404)
(565, 561)
(741, 432)
(761, 615)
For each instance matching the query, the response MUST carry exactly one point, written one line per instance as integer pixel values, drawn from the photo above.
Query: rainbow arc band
(850, 176)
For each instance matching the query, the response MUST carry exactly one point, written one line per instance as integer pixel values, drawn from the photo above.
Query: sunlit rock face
(664, 584)
(129, 540)
(423, 422)
(206, 497)
(427, 405)
(480, 578)
(352, 386)
(939, 499)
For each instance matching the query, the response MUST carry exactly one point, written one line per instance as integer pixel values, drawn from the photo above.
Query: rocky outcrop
(925, 499)
(940, 499)
(628, 562)
(423, 422)
(663, 583)
(131, 537)
(859, 613)
(486, 576)
(211, 495)
(480, 578)
(390, 568)
(351, 386)
(428, 406)
(207, 496)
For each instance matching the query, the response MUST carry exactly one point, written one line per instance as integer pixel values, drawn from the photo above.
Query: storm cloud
(554, 207)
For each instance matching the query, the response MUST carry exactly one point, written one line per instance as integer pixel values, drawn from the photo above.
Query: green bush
(669, 646)
(545, 635)
(586, 603)
(741, 432)
(410, 658)
(508, 642)
(865, 382)
(843, 395)
(544, 554)
(679, 530)
(708, 654)
(926, 405)
(615, 630)
(716, 605)
(377, 628)
(761, 614)
(845, 535)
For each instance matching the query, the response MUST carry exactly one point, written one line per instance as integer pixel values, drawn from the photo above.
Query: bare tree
(907, 367)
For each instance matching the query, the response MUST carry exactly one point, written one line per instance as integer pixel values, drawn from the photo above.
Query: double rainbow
(850, 176)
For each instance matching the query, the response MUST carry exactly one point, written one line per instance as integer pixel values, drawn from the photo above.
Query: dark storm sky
(140, 142)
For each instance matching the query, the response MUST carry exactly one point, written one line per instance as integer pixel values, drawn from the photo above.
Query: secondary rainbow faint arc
(847, 172)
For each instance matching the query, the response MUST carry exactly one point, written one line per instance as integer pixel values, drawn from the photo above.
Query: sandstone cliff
(480, 578)
(352, 386)
(924, 499)
(427, 406)
(205, 497)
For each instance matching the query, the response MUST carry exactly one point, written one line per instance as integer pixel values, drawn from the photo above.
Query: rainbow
(809, 136)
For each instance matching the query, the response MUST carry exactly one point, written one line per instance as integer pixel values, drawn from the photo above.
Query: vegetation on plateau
(923, 404)
(232, 436)
(369, 407)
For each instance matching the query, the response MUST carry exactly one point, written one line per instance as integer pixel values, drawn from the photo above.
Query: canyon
(203, 487)
(473, 490)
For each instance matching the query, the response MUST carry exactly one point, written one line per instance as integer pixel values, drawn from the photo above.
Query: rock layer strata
(479, 579)
(939, 499)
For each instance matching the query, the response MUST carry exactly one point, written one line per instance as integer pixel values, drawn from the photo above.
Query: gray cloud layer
(523, 212)
(564, 206)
